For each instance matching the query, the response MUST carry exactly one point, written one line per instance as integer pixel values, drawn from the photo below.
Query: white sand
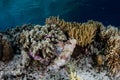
(84, 70)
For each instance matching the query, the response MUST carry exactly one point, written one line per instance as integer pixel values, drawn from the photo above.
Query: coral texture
(83, 33)
(113, 54)
(6, 50)
(41, 42)
(65, 55)
(109, 31)
(13, 34)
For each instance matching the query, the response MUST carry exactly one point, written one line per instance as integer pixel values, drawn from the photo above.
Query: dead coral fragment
(113, 54)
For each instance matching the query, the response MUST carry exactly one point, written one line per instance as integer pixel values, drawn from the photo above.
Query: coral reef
(50, 49)
(13, 34)
(6, 50)
(113, 54)
(41, 43)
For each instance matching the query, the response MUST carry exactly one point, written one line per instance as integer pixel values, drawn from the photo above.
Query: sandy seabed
(12, 71)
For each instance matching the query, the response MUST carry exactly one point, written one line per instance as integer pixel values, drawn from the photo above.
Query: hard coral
(6, 51)
(40, 42)
(113, 54)
(65, 26)
(109, 31)
(13, 34)
(83, 33)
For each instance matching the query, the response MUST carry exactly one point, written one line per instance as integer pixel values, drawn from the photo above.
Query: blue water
(18, 12)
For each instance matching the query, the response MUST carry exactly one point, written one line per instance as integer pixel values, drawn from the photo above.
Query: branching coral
(113, 54)
(13, 34)
(65, 26)
(83, 33)
(40, 42)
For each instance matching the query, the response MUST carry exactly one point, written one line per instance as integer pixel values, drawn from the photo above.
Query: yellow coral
(113, 54)
(74, 76)
(65, 26)
(72, 70)
(83, 33)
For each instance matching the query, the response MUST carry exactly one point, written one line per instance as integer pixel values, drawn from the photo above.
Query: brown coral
(113, 54)
(6, 51)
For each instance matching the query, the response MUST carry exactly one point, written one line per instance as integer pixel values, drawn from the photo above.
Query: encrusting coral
(42, 43)
(6, 50)
(113, 54)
